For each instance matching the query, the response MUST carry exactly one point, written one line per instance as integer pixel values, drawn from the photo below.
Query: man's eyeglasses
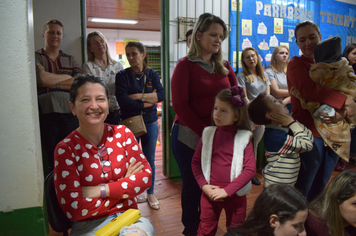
(105, 164)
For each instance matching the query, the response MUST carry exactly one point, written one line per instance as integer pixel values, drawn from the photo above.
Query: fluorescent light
(108, 20)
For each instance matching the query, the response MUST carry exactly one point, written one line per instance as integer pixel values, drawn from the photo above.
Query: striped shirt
(282, 148)
(55, 100)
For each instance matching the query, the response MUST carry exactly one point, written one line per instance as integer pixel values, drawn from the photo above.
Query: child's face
(223, 113)
(276, 106)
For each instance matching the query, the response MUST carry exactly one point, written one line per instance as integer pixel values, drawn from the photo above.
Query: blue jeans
(191, 192)
(316, 169)
(89, 227)
(148, 143)
(353, 143)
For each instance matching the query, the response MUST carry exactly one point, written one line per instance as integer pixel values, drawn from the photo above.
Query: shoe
(255, 181)
(154, 205)
(340, 167)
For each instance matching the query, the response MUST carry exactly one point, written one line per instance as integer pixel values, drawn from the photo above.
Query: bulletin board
(265, 24)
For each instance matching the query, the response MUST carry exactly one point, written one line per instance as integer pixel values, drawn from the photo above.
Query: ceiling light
(108, 20)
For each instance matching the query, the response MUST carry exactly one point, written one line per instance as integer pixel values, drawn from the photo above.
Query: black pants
(54, 128)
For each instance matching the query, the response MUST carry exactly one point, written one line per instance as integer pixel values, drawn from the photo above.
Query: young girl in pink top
(224, 162)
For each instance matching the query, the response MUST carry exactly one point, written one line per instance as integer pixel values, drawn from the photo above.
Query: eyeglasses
(105, 164)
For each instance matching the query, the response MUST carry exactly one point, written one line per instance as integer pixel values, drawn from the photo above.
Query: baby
(332, 71)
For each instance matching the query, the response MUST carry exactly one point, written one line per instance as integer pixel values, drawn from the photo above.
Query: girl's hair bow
(238, 95)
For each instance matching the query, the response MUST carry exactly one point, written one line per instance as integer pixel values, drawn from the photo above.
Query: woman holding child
(318, 164)
(196, 81)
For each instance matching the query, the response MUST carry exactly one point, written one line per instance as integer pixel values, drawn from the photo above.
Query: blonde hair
(273, 63)
(326, 206)
(90, 54)
(203, 24)
(259, 69)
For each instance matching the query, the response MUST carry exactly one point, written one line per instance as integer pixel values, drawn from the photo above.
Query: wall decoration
(185, 24)
(262, 29)
(246, 27)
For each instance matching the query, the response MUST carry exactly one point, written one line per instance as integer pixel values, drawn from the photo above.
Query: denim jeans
(353, 143)
(89, 227)
(148, 143)
(316, 168)
(190, 198)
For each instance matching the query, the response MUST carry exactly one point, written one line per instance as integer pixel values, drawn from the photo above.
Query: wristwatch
(143, 99)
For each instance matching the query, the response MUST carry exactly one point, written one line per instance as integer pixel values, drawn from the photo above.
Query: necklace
(138, 78)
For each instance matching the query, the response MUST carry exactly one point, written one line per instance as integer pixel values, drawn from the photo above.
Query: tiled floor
(167, 220)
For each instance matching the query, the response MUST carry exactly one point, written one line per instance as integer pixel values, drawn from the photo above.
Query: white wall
(67, 12)
(193, 9)
(21, 178)
(145, 37)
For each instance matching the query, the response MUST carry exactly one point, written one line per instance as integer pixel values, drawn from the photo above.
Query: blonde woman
(254, 81)
(252, 77)
(101, 64)
(196, 80)
(276, 74)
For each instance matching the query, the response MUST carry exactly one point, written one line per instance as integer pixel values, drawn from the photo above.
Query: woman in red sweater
(196, 81)
(317, 165)
(99, 169)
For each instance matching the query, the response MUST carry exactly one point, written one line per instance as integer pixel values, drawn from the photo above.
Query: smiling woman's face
(307, 38)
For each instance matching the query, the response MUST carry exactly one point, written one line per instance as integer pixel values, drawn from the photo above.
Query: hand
(282, 119)
(208, 190)
(256, 126)
(332, 119)
(135, 96)
(218, 194)
(147, 104)
(134, 168)
(350, 108)
(40, 67)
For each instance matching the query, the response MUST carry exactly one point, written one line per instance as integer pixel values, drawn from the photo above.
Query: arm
(199, 176)
(275, 91)
(196, 166)
(180, 97)
(72, 197)
(248, 172)
(123, 86)
(268, 89)
(156, 95)
(278, 141)
(231, 75)
(298, 77)
(136, 183)
(69, 188)
(286, 100)
(50, 79)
